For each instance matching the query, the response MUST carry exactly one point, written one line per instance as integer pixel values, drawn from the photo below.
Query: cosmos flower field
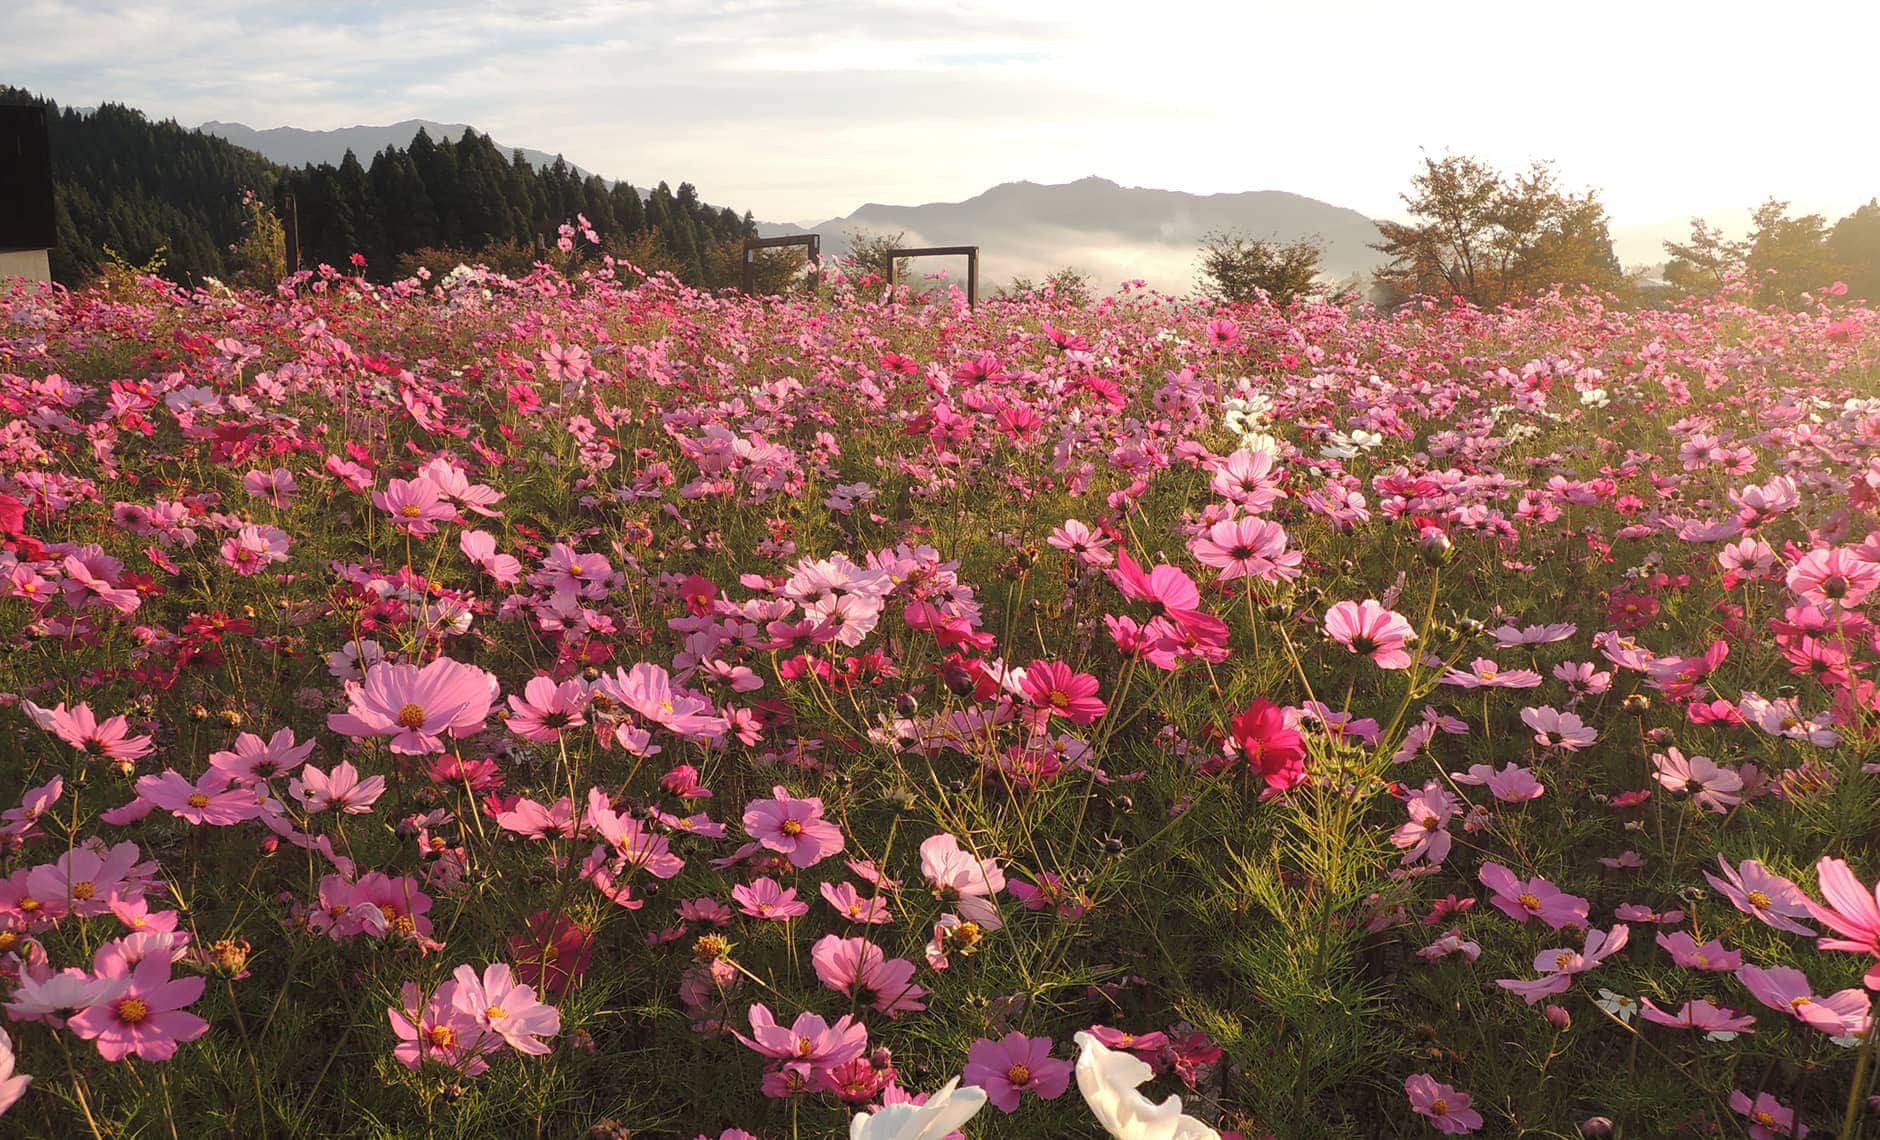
(586, 707)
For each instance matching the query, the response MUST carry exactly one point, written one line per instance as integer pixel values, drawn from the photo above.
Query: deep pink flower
(767, 898)
(1053, 688)
(544, 710)
(1853, 911)
(1014, 1065)
(859, 968)
(1754, 890)
(1532, 898)
(1448, 1109)
(496, 1002)
(417, 707)
(795, 827)
(1273, 747)
(147, 1018)
(1369, 630)
(78, 727)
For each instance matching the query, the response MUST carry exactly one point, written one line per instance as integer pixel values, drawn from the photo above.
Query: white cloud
(802, 109)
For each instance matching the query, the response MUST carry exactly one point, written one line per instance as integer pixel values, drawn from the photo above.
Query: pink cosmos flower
(1089, 547)
(957, 876)
(480, 547)
(213, 799)
(767, 898)
(1369, 630)
(1533, 898)
(146, 1018)
(435, 1030)
(793, 827)
(852, 906)
(1718, 1023)
(416, 506)
(539, 821)
(544, 710)
(41, 999)
(1512, 783)
(341, 790)
(79, 728)
(1754, 890)
(497, 1003)
(1788, 990)
(275, 487)
(1484, 673)
(1715, 787)
(1853, 912)
(12, 1082)
(1247, 547)
(252, 549)
(1835, 577)
(1014, 1065)
(1769, 1118)
(417, 707)
(1425, 834)
(1271, 744)
(647, 689)
(1712, 955)
(83, 880)
(1054, 689)
(859, 968)
(253, 760)
(809, 1040)
(1560, 964)
(1449, 1110)
(1556, 729)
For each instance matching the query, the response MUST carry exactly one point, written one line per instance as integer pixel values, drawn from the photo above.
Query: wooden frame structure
(812, 248)
(969, 252)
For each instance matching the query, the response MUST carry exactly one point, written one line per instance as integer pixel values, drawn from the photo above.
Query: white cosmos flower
(1108, 1080)
(944, 1112)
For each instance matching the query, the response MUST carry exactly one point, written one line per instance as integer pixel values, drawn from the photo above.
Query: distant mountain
(294, 146)
(1110, 231)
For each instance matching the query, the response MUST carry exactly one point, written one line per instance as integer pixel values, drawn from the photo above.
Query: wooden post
(970, 252)
(290, 230)
(812, 247)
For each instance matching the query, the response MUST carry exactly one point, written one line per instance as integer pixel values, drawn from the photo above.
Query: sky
(800, 110)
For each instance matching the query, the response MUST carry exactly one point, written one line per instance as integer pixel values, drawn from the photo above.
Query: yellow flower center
(1439, 1106)
(1018, 1074)
(1758, 899)
(197, 800)
(84, 889)
(132, 1011)
(792, 828)
(1529, 900)
(411, 716)
(411, 510)
(29, 904)
(495, 1012)
(442, 1036)
(1563, 959)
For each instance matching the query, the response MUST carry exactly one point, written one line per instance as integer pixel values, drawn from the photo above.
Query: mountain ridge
(302, 146)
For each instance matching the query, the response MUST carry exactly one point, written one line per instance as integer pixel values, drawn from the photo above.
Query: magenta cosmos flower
(1272, 746)
(794, 827)
(497, 1003)
(1532, 898)
(1368, 629)
(1755, 890)
(1853, 912)
(1014, 1065)
(80, 728)
(147, 1017)
(544, 710)
(1052, 687)
(417, 707)
(1447, 1108)
(1247, 548)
